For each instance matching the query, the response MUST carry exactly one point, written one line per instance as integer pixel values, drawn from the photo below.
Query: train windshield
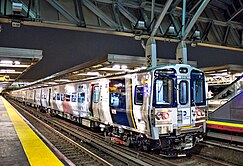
(163, 94)
(198, 88)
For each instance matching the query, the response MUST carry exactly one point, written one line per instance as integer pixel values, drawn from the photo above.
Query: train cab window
(67, 97)
(138, 95)
(58, 96)
(183, 92)
(74, 97)
(81, 97)
(198, 91)
(62, 97)
(164, 91)
(198, 88)
(96, 94)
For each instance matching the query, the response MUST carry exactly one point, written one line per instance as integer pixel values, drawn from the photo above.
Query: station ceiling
(220, 24)
(14, 63)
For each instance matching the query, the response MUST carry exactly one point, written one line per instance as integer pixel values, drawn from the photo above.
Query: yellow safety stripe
(35, 149)
(225, 124)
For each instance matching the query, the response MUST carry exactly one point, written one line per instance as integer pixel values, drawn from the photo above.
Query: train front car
(177, 108)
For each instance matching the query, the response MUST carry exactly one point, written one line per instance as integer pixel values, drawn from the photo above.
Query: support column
(181, 53)
(150, 52)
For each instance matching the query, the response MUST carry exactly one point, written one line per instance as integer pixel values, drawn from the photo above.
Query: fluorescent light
(124, 66)
(7, 71)
(6, 62)
(52, 83)
(93, 73)
(116, 67)
(89, 74)
(64, 80)
(17, 62)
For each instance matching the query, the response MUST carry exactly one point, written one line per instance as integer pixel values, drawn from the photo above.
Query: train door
(95, 93)
(184, 102)
(49, 97)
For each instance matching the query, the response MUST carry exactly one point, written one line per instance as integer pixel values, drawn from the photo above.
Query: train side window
(96, 94)
(138, 100)
(54, 96)
(183, 92)
(74, 97)
(62, 97)
(81, 97)
(67, 97)
(58, 96)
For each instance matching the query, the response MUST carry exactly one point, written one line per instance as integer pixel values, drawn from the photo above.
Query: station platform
(19, 144)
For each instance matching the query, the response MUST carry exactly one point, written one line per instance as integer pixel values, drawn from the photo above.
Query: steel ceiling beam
(126, 13)
(236, 13)
(100, 13)
(194, 18)
(161, 17)
(60, 8)
(79, 12)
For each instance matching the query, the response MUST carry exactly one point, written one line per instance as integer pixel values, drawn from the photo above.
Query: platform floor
(19, 144)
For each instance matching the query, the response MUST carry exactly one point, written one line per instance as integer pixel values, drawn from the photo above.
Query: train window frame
(172, 91)
(187, 91)
(135, 95)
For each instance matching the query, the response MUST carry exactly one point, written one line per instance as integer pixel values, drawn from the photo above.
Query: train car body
(157, 108)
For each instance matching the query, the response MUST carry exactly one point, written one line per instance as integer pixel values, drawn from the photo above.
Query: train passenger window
(67, 97)
(96, 94)
(62, 97)
(183, 92)
(138, 99)
(58, 96)
(164, 91)
(81, 97)
(74, 97)
(54, 96)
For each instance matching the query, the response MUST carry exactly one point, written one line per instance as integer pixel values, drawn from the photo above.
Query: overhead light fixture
(17, 7)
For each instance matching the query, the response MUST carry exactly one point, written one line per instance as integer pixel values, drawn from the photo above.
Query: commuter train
(161, 108)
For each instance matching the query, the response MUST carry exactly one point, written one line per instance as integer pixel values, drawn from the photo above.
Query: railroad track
(120, 155)
(77, 154)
